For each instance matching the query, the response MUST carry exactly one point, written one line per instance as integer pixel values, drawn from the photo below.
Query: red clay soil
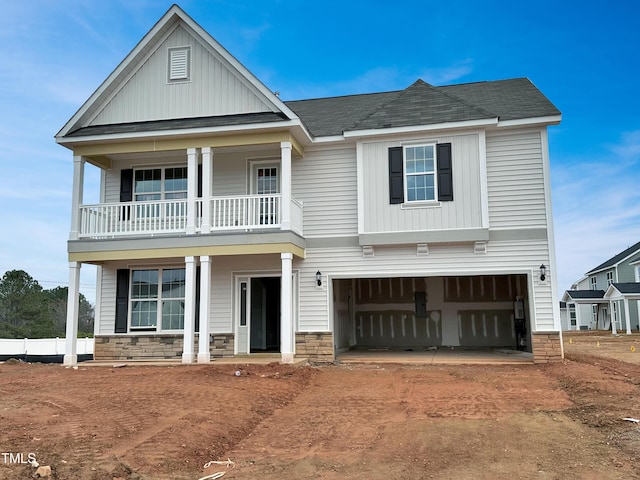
(363, 422)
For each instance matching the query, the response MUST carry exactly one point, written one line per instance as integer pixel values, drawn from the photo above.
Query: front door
(258, 301)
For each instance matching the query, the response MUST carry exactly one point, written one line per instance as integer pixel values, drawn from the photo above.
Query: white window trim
(263, 163)
(158, 327)
(420, 203)
(163, 170)
(594, 283)
(609, 278)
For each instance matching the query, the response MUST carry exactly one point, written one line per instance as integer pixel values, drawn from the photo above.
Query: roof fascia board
(549, 120)
(114, 137)
(615, 265)
(151, 34)
(176, 12)
(420, 128)
(261, 87)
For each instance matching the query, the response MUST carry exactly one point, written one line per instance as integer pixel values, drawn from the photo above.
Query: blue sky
(584, 57)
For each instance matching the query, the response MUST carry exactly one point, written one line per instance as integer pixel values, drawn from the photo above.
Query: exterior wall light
(319, 278)
(543, 272)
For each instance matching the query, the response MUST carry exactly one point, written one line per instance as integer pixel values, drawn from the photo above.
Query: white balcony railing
(239, 213)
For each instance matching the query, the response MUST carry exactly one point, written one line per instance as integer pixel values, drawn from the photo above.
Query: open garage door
(424, 312)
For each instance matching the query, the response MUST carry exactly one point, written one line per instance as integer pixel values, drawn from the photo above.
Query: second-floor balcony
(238, 213)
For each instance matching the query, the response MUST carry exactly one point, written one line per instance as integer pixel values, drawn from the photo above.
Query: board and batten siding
(503, 257)
(147, 94)
(325, 181)
(515, 180)
(465, 211)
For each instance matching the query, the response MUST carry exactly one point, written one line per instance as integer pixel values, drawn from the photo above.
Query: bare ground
(363, 422)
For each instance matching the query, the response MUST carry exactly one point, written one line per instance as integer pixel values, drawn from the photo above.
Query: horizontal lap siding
(502, 257)
(515, 180)
(325, 181)
(107, 314)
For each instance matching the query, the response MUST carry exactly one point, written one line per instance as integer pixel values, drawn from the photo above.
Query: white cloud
(596, 208)
(446, 75)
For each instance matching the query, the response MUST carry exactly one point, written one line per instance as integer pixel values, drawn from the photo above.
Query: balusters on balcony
(239, 212)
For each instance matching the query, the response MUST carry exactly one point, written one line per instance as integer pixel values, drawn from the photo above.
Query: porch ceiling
(99, 153)
(98, 251)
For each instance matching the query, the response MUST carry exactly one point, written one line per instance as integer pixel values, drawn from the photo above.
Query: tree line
(29, 311)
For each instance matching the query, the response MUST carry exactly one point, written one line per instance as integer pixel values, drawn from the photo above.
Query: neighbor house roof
(627, 288)
(613, 261)
(585, 294)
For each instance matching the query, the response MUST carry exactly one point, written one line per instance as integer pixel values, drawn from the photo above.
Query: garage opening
(428, 313)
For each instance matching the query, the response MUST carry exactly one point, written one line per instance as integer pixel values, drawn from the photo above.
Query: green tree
(56, 300)
(23, 311)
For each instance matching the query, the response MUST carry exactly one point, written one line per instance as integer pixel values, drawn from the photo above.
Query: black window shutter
(126, 185)
(396, 176)
(122, 300)
(200, 181)
(445, 172)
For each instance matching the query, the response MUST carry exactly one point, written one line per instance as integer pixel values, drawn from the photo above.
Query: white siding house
(232, 222)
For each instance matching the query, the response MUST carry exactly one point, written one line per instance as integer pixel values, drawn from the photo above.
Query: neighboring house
(231, 222)
(610, 290)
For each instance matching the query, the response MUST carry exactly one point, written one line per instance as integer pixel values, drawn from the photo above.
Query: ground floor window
(157, 299)
(572, 315)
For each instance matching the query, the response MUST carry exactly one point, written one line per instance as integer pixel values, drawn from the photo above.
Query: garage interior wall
(421, 312)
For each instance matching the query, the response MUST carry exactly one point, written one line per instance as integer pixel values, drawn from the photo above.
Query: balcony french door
(266, 182)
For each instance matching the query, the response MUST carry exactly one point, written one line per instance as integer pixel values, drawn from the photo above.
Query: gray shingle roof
(616, 258)
(423, 104)
(419, 104)
(585, 294)
(629, 287)
(179, 123)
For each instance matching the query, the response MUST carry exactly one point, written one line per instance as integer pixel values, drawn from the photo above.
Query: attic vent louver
(179, 64)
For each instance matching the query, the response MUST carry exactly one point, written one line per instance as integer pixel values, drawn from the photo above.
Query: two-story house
(609, 291)
(231, 222)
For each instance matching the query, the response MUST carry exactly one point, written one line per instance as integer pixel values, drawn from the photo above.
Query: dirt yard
(561, 421)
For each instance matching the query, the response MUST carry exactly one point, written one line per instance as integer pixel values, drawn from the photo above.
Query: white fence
(42, 346)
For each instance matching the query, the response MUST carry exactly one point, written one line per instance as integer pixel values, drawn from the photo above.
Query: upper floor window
(160, 184)
(420, 173)
(609, 278)
(594, 283)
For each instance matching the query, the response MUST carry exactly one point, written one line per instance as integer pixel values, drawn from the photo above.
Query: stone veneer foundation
(316, 346)
(546, 347)
(150, 347)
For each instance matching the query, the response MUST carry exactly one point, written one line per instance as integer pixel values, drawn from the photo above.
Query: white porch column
(76, 195)
(286, 309)
(73, 307)
(627, 319)
(207, 180)
(285, 188)
(204, 353)
(614, 313)
(189, 310)
(192, 189)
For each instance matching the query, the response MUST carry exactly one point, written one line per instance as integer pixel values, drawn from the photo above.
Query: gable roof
(627, 288)
(424, 104)
(171, 20)
(420, 104)
(616, 259)
(584, 294)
